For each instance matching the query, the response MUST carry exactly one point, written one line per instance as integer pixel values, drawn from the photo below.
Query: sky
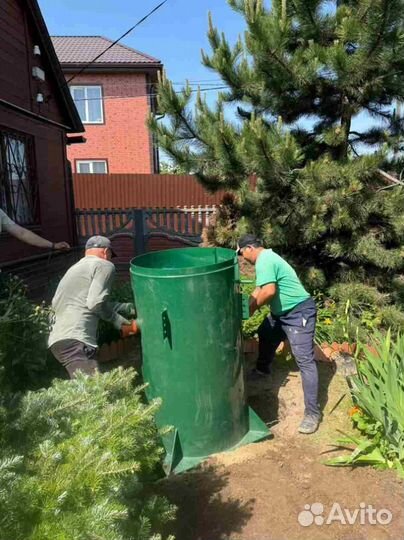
(175, 34)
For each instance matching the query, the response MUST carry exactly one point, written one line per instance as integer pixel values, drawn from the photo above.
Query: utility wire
(149, 95)
(184, 83)
(118, 40)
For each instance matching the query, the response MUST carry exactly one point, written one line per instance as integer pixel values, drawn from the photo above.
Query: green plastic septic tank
(189, 309)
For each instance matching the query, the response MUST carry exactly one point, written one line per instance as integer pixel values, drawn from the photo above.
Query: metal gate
(183, 224)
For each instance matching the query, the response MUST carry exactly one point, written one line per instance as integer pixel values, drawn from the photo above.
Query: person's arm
(31, 238)
(266, 279)
(261, 296)
(98, 296)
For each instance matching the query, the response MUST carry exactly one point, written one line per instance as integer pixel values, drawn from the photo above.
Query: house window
(93, 166)
(18, 186)
(88, 100)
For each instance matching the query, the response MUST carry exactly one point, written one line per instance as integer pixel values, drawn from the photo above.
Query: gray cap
(247, 240)
(100, 242)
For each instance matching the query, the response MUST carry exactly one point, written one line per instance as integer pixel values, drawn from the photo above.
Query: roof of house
(67, 102)
(83, 49)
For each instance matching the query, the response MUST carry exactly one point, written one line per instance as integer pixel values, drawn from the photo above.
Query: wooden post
(139, 231)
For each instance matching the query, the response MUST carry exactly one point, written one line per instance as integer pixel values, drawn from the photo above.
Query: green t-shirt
(271, 268)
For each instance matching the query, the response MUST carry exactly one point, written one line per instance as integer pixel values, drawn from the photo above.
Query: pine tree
(329, 195)
(78, 461)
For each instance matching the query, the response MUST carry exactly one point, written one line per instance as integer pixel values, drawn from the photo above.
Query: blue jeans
(298, 327)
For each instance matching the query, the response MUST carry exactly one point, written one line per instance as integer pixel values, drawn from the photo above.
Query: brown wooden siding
(50, 162)
(140, 191)
(17, 85)
(14, 74)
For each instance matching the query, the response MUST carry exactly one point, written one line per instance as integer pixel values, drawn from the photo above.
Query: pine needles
(76, 459)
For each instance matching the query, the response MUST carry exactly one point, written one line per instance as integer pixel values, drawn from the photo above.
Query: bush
(25, 362)
(76, 460)
(251, 325)
(378, 392)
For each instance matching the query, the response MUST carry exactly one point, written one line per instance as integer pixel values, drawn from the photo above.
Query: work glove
(126, 308)
(129, 329)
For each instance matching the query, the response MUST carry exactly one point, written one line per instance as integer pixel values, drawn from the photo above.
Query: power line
(149, 95)
(184, 83)
(118, 40)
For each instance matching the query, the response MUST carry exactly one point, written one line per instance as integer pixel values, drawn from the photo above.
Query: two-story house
(114, 96)
(36, 114)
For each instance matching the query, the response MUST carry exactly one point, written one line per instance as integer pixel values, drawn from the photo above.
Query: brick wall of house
(123, 140)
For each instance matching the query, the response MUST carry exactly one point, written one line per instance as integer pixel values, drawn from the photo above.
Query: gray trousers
(298, 326)
(75, 355)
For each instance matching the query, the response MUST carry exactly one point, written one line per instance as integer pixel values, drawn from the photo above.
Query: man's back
(79, 299)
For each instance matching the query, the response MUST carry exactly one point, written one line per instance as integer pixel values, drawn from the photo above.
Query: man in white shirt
(27, 236)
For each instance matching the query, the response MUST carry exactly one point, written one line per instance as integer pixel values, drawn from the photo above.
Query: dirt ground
(259, 491)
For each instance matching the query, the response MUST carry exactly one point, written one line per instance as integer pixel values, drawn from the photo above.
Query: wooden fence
(140, 191)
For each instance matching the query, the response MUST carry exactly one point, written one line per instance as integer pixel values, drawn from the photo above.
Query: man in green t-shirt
(292, 317)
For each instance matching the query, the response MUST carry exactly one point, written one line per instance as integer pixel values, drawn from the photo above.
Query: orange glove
(129, 329)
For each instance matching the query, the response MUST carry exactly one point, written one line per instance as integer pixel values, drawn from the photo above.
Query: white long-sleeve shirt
(81, 299)
(4, 220)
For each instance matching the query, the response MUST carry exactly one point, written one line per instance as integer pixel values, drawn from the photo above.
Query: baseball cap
(247, 240)
(100, 242)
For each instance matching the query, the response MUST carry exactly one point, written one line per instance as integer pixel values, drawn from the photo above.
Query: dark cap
(100, 242)
(247, 240)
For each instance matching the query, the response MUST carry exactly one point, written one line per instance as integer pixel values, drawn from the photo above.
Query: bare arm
(261, 296)
(31, 238)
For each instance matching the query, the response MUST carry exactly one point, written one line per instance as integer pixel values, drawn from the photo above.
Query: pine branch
(383, 114)
(391, 179)
(381, 29)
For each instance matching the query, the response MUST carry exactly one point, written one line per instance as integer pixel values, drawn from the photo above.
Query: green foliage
(378, 391)
(76, 461)
(346, 321)
(167, 167)
(251, 325)
(298, 78)
(24, 327)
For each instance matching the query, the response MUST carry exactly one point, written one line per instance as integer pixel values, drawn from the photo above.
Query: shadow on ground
(263, 394)
(204, 512)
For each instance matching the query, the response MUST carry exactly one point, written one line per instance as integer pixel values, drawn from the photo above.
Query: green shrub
(378, 391)
(251, 325)
(76, 460)
(349, 319)
(25, 362)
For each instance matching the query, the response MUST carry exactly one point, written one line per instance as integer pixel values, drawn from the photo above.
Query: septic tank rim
(139, 269)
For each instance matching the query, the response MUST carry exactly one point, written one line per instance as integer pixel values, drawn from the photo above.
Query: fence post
(140, 231)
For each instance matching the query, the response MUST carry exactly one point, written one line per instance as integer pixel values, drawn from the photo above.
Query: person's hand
(253, 305)
(126, 308)
(128, 330)
(63, 246)
(129, 309)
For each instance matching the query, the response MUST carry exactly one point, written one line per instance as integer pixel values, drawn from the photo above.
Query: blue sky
(174, 34)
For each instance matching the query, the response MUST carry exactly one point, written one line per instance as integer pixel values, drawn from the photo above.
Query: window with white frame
(92, 166)
(88, 100)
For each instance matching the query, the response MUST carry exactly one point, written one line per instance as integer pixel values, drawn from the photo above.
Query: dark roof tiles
(83, 49)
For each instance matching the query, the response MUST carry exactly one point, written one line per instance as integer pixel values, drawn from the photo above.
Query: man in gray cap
(81, 299)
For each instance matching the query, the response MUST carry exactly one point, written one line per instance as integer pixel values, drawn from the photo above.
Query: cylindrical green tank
(189, 308)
